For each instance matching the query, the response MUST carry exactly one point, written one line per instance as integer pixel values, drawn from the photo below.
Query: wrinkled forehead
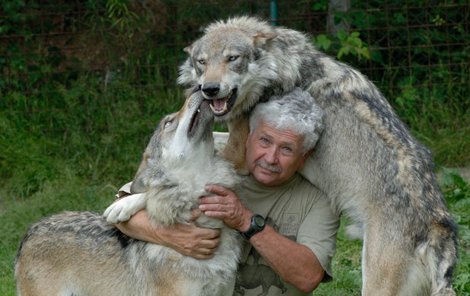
(223, 42)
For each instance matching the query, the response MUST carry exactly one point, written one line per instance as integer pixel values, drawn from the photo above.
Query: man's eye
(233, 58)
(287, 149)
(264, 141)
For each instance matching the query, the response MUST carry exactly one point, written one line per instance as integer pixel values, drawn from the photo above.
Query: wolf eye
(233, 58)
(167, 123)
(201, 61)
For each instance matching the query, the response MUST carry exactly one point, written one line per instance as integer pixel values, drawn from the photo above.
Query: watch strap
(255, 226)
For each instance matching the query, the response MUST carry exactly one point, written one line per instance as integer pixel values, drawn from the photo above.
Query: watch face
(259, 221)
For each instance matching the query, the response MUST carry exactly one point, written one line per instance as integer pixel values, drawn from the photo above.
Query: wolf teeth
(218, 112)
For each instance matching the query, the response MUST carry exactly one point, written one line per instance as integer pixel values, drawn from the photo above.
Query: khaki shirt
(297, 210)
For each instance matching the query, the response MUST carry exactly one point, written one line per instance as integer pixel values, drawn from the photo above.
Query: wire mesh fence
(418, 43)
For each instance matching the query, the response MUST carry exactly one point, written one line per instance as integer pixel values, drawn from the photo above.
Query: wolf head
(182, 139)
(228, 64)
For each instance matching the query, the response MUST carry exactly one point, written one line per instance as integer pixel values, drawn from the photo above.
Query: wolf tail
(442, 257)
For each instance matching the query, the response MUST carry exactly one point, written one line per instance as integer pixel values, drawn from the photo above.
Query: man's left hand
(224, 204)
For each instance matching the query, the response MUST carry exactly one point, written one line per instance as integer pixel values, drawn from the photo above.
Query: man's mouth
(222, 106)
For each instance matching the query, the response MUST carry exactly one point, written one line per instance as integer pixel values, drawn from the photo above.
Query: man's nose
(271, 155)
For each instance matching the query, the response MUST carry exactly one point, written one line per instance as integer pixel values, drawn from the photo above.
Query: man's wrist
(257, 224)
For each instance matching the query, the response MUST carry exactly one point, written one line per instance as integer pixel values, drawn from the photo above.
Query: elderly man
(288, 225)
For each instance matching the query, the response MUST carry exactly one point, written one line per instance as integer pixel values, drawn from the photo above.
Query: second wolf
(366, 161)
(79, 253)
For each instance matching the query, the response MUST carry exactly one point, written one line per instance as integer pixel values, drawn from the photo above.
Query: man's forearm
(187, 239)
(139, 227)
(293, 262)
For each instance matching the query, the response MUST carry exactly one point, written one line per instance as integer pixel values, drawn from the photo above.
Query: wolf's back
(366, 161)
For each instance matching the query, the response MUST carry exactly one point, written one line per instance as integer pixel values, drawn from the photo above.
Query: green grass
(438, 115)
(69, 147)
(67, 193)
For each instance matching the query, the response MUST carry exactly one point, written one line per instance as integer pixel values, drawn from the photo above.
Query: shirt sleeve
(318, 232)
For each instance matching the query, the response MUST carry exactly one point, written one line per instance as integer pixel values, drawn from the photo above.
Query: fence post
(273, 10)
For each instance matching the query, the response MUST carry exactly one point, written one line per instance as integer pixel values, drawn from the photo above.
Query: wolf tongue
(219, 106)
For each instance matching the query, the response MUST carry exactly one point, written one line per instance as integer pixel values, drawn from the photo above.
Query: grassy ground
(70, 148)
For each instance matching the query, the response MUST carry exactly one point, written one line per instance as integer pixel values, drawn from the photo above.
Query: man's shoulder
(302, 181)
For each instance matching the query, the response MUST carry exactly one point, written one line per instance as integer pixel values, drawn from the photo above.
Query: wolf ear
(188, 49)
(260, 39)
(138, 185)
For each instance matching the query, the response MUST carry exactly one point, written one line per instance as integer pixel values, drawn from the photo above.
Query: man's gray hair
(296, 111)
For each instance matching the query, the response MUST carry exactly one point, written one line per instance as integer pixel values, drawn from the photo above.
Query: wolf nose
(210, 89)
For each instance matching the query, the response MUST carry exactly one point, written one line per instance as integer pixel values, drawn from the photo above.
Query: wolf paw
(123, 209)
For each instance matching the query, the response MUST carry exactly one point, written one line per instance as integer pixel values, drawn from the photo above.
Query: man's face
(272, 155)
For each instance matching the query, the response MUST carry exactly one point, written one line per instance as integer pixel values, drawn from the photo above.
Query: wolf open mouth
(194, 123)
(222, 106)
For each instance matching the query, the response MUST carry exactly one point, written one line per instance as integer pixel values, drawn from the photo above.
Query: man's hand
(187, 239)
(224, 204)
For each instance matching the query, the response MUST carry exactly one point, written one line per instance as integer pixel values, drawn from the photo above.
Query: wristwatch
(256, 225)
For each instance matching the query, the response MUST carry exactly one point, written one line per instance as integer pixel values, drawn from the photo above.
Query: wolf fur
(366, 161)
(80, 253)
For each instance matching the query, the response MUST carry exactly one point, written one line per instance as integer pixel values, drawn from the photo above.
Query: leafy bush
(74, 123)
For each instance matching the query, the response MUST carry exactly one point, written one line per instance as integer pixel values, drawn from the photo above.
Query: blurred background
(83, 84)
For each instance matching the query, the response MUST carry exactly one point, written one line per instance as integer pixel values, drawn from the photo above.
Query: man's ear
(188, 49)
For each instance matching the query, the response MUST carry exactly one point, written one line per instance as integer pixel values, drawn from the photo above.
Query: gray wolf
(366, 161)
(80, 253)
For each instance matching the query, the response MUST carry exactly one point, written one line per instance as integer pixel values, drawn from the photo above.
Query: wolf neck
(190, 159)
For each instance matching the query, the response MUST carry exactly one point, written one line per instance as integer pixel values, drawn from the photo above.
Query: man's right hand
(187, 239)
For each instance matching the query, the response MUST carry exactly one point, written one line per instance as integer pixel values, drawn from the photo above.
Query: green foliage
(347, 276)
(79, 126)
(424, 80)
(121, 17)
(439, 115)
(344, 44)
(457, 192)
(73, 126)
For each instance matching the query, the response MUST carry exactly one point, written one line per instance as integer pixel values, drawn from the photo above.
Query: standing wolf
(366, 161)
(81, 254)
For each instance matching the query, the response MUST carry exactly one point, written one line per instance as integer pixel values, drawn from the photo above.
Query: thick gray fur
(366, 161)
(80, 253)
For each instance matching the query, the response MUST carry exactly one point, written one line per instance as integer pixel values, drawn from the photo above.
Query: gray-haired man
(288, 225)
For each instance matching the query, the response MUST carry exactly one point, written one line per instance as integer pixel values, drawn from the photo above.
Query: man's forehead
(283, 135)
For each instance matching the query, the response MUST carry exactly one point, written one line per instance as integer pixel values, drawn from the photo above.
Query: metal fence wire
(421, 43)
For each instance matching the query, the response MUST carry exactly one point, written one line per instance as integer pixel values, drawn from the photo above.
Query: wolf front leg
(235, 149)
(124, 208)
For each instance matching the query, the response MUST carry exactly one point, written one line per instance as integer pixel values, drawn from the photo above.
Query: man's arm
(187, 239)
(293, 262)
